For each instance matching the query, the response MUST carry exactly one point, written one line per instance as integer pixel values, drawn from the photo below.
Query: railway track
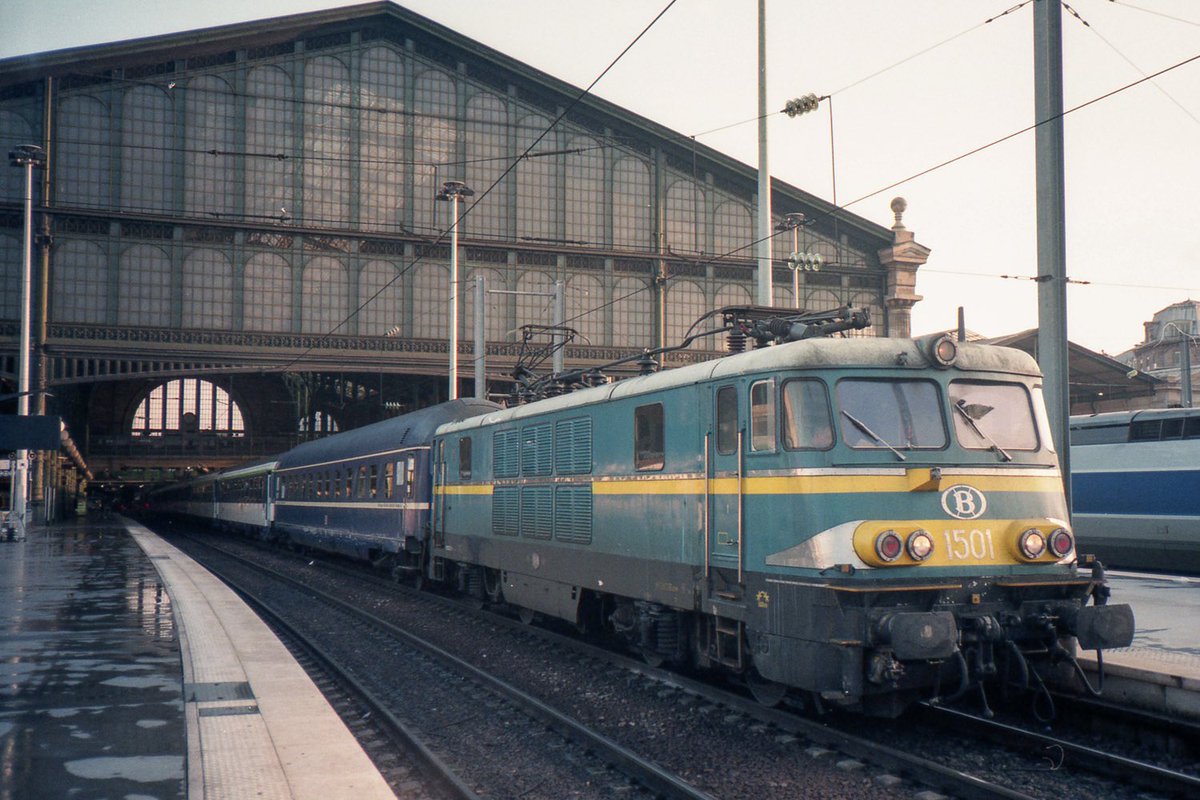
(1059, 751)
(596, 766)
(767, 753)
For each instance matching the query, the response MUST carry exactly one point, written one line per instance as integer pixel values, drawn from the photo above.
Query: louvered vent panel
(506, 511)
(573, 514)
(506, 454)
(535, 450)
(537, 511)
(573, 446)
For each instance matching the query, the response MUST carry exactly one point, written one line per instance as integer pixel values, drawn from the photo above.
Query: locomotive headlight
(920, 545)
(888, 546)
(1033, 543)
(1061, 542)
(944, 351)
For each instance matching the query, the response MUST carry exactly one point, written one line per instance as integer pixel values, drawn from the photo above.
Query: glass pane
(727, 420)
(806, 422)
(1000, 412)
(902, 414)
(762, 416)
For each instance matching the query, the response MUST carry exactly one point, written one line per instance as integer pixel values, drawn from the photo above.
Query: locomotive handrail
(741, 497)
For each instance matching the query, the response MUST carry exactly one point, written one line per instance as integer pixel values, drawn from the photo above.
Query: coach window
(806, 422)
(464, 458)
(727, 420)
(649, 452)
(762, 416)
(363, 484)
(373, 482)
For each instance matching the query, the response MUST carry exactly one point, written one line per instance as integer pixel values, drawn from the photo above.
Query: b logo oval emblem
(964, 502)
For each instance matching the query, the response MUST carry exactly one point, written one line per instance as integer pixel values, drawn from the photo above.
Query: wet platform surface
(91, 687)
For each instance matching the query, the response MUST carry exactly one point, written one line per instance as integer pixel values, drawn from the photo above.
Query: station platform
(127, 670)
(1161, 671)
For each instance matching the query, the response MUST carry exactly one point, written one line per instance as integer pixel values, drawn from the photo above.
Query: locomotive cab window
(993, 416)
(807, 424)
(464, 458)
(762, 416)
(891, 414)
(648, 449)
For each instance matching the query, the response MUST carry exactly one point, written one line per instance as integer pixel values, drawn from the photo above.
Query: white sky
(1132, 162)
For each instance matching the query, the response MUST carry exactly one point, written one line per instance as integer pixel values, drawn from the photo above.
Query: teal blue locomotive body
(861, 521)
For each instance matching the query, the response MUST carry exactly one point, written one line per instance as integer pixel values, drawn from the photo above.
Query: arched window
(210, 171)
(585, 308)
(325, 298)
(326, 142)
(381, 295)
(684, 202)
(145, 281)
(685, 303)
(267, 294)
(631, 204)
(383, 126)
(430, 319)
(632, 306)
(207, 291)
(84, 138)
(187, 405)
(732, 234)
(537, 190)
(270, 133)
(435, 139)
(147, 149)
(487, 158)
(585, 191)
(80, 276)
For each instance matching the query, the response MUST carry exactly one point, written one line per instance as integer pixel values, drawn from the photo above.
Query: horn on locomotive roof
(764, 324)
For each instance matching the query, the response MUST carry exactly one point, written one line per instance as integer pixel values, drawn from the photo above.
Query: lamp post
(26, 156)
(454, 191)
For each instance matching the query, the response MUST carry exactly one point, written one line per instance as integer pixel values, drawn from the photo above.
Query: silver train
(1136, 488)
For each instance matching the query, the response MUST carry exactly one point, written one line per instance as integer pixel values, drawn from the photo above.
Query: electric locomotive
(863, 522)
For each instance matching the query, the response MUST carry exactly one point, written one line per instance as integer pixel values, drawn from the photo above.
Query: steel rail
(432, 764)
(1146, 776)
(649, 774)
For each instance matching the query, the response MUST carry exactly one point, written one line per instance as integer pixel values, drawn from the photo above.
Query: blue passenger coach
(861, 519)
(365, 493)
(1135, 479)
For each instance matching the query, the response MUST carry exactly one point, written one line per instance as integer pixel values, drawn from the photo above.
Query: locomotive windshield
(891, 414)
(993, 416)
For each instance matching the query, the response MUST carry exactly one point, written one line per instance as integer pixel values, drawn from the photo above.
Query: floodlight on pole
(454, 191)
(25, 156)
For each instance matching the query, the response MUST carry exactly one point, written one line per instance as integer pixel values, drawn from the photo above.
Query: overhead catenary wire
(1129, 61)
(1026, 129)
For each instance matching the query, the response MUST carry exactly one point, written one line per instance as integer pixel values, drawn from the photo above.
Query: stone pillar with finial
(901, 262)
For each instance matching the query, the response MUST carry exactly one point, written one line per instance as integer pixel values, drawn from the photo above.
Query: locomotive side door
(725, 468)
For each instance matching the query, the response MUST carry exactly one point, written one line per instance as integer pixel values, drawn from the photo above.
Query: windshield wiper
(862, 426)
(997, 449)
